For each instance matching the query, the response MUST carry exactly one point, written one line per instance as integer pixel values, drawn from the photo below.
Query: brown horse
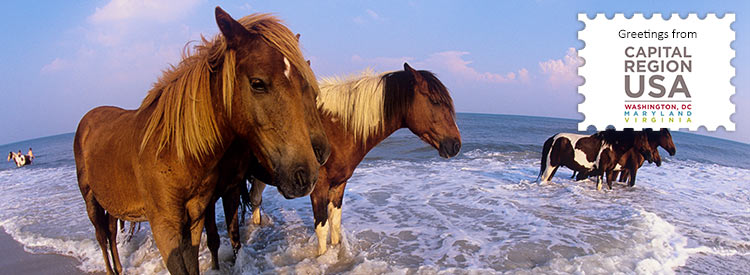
(631, 161)
(159, 162)
(360, 112)
(615, 144)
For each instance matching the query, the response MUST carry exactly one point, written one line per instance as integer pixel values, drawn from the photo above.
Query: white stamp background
(604, 70)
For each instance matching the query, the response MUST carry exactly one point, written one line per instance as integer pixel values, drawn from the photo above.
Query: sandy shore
(14, 260)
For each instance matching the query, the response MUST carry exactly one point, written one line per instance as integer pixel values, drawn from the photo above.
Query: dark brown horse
(629, 163)
(614, 145)
(159, 162)
(358, 113)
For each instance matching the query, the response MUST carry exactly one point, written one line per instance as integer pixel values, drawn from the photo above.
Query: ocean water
(407, 211)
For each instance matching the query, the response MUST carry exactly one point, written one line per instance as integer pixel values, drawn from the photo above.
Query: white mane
(356, 99)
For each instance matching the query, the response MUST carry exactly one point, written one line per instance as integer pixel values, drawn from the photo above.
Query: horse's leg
(632, 177)
(549, 172)
(599, 182)
(196, 213)
(113, 243)
(243, 200)
(320, 200)
(574, 175)
(212, 235)
(100, 221)
(231, 201)
(336, 195)
(122, 225)
(169, 226)
(610, 178)
(256, 197)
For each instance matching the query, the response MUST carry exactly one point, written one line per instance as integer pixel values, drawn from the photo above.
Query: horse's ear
(419, 80)
(297, 36)
(411, 70)
(232, 30)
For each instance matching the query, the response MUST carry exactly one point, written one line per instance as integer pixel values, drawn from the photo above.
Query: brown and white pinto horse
(159, 162)
(19, 159)
(360, 112)
(590, 155)
(629, 163)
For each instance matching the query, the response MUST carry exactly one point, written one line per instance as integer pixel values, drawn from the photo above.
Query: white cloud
(372, 14)
(56, 65)
(369, 14)
(563, 71)
(246, 7)
(453, 62)
(157, 10)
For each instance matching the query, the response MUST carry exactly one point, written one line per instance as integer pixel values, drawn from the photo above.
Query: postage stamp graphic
(657, 73)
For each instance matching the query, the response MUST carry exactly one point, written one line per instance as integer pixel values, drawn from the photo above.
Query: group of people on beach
(20, 159)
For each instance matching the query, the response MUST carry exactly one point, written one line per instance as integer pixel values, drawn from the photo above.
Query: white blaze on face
(288, 68)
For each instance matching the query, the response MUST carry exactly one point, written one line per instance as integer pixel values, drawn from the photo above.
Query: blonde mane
(357, 100)
(183, 114)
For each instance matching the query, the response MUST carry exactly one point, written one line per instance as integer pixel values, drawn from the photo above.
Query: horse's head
(431, 116)
(664, 138)
(273, 103)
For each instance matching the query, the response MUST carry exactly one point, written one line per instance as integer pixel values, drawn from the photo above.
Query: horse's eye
(258, 85)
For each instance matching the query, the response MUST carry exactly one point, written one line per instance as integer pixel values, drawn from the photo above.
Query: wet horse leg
(113, 243)
(632, 177)
(256, 198)
(320, 200)
(231, 202)
(212, 235)
(100, 219)
(336, 195)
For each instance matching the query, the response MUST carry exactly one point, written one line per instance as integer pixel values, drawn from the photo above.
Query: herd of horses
(246, 105)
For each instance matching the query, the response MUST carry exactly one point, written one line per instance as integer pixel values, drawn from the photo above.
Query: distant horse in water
(19, 159)
(591, 155)
(158, 163)
(360, 112)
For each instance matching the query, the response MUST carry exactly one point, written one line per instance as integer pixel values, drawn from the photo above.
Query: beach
(15, 260)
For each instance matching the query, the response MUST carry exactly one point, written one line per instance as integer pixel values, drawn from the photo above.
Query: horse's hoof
(598, 187)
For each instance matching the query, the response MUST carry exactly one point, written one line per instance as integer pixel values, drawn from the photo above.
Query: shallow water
(407, 211)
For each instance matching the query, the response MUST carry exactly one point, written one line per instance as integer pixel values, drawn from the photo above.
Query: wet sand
(15, 260)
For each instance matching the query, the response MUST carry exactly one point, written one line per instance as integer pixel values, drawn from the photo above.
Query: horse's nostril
(319, 155)
(456, 147)
(300, 177)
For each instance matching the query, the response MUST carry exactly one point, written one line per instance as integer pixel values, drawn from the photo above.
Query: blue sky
(62, 58)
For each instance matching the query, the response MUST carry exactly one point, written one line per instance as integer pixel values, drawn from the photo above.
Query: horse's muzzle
(299, 183)
(449, 147)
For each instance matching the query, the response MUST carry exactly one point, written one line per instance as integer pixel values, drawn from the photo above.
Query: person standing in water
(30, 154)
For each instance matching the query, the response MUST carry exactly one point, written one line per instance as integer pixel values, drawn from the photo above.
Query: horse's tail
(545, 152)
(245, 195)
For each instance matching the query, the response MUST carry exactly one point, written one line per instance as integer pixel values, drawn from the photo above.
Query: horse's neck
(389, 128)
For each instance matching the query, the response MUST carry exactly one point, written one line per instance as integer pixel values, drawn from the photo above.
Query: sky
(63, 58)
